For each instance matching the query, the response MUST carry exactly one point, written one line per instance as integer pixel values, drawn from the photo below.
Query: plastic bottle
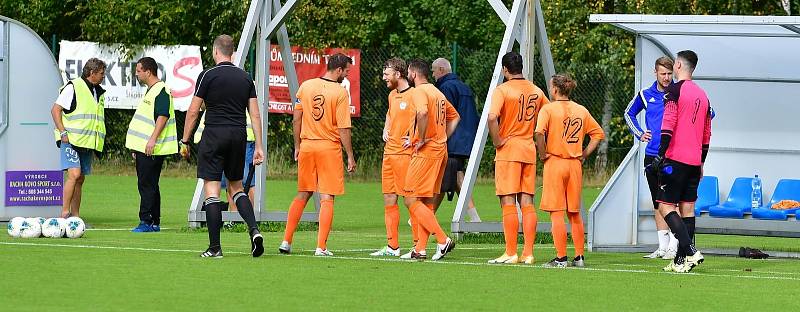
(756, 195)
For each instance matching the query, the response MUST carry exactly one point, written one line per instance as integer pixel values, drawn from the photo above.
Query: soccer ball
(31, 228)
(54, 227)
(75, 227)
(15, 226)
(41, 220)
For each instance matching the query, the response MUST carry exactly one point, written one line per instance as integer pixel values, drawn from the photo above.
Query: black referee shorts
(221, 149)
(450, 178)
(678, 183)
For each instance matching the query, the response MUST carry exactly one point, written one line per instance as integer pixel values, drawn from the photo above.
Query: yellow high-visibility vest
(143, 124)
(86, 126)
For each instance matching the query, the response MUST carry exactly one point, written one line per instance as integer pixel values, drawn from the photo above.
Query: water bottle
(756, 195)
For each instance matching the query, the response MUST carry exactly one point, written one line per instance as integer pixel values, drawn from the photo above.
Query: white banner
(181, 64)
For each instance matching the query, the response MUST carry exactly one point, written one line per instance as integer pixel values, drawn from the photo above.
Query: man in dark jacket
(460, 143)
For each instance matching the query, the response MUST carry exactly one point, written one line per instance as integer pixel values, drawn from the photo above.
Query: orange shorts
(320, 167)
(512, 177)
(424, 178)
(393, 174)
(561, 190)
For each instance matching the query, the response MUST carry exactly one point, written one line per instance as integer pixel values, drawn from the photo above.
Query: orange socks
(510, 228)
(325, 221)
(559, 230)
(578, 239)
(295, 212)
(414, 225)
(427, 221)
(528, 229)
(391, 218)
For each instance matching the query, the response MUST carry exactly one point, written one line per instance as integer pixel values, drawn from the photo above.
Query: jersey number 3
(318, 110)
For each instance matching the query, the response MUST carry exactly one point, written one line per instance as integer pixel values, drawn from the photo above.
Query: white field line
(125, 229)
(718, 270)
(399, 260)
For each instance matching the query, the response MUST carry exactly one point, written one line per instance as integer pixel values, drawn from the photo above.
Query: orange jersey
(326, 109)
(565, 124)
(517, 103)
(401, 117)
(440, 111)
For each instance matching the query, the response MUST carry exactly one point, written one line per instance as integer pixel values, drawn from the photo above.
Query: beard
(391, 84)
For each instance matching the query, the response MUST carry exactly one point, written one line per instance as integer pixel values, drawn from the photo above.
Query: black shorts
(678, 183)
(450, 179)
(652, 179)
(221, 149)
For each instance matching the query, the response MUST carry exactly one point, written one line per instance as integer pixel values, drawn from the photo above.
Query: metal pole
(454, 63)
(480, 140)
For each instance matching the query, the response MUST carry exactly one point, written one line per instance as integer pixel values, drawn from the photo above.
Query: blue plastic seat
(738, 202)
(707, 194)
(787, 189)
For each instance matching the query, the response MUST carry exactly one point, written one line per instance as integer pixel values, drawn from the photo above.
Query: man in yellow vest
(152, 136)
(79, 116)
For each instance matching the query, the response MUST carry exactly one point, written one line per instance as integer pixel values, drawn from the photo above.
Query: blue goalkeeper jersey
(652, 102)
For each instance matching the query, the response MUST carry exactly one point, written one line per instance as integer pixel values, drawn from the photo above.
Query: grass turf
(113, 269)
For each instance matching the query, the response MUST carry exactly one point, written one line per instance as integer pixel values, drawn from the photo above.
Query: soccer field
(113, 269)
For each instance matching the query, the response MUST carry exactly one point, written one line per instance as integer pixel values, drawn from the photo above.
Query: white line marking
(126, 229)
(718, 270)
(399, 260)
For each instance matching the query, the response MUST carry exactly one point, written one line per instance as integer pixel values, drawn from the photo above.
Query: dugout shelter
(29, 163)
(748, 66)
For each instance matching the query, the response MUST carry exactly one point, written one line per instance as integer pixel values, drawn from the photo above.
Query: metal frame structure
(265, 19)
(525, 25)
(4, 75)
(622, 213)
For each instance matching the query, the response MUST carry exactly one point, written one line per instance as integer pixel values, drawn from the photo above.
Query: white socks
(673, 242)
(663, 239)
(473, 215)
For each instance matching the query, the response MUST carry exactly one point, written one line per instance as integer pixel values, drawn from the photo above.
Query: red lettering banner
(310, 63)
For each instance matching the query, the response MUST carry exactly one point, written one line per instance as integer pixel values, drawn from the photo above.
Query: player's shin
(529, 220)
(213, 208)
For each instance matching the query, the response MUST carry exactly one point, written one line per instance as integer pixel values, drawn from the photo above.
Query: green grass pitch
(112, 269)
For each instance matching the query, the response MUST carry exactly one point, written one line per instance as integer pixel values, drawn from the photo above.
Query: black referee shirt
(226, 91)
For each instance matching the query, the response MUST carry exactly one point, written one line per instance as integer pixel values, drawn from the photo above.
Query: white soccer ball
(15, 226)
(75, 227)
(41, 220)
(54, 227)
(32, 230)
(63, 222)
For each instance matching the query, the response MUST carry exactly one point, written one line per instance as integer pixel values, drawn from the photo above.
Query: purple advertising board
(34, 188)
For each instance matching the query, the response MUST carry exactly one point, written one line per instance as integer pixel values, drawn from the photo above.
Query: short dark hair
(690, 57)
(338, 60)
(512, 61)
(149, 64)
(420, 66)
(224, 44)
(398, 65)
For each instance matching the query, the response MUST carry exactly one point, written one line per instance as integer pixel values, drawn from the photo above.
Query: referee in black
(227, 92)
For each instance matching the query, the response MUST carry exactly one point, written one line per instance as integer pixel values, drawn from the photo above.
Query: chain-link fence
(605, 92)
